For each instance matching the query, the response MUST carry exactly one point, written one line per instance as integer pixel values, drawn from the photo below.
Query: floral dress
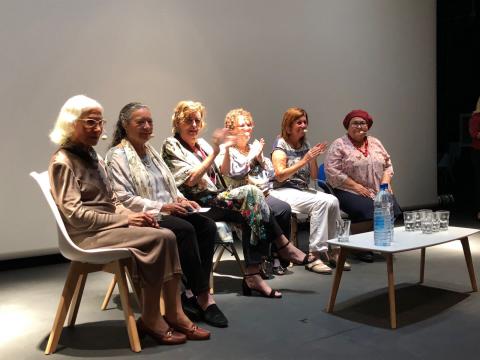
(211, 190)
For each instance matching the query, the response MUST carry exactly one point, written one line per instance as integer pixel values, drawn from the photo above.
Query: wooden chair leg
(422, 265)
(294, 229)
(136, 289)
(391, 292)
(109, 293)
(211, 283)
(63, 306)
(336, 281)
(127, 310)
(239, 262)
(218, 258)
(162, 304)
(77, 298)
(468, 260)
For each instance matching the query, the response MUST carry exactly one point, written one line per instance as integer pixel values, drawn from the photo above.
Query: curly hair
(231, 119)
(123, 118)
(69, 113)
(184, 110)
(291, 115)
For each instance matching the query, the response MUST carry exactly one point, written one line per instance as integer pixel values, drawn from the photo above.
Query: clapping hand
(257, 149)
(223, 136)
(315, 151)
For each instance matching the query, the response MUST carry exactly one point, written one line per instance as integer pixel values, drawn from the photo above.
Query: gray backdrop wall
(328, 56)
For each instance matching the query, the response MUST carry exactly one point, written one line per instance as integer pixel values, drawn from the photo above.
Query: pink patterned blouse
(344, 160)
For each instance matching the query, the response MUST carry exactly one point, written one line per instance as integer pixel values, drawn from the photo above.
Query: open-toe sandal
(305, 260)
(247, 291)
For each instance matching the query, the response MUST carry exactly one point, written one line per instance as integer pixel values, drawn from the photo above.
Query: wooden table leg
(468, 259)
(336, 281)
(391, 292)
(422, 265)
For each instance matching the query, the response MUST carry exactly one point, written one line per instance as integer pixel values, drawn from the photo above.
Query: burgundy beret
(358, 113)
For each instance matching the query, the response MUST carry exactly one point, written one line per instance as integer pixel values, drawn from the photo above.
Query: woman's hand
(363, 191)
(315, 151)
(258, 150)
(222, 136)
(142, 219)
(175, 209)
(188, 203)
(194, 204)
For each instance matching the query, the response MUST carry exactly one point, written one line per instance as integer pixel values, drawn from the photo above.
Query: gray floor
(437, 320)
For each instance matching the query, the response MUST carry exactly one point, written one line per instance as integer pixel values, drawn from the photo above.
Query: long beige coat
(94, 218)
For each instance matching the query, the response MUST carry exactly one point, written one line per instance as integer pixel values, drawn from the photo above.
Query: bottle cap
(384, 186)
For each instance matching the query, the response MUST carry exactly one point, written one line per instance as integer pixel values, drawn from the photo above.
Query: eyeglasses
(190, 121)
(93, 123)
(143, 122)
(359, 124)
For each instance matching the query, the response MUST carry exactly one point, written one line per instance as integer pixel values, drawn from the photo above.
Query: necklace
(147, 161)
(359, 147)
(244, 151)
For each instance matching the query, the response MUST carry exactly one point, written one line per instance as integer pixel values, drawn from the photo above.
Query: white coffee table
(403, 241)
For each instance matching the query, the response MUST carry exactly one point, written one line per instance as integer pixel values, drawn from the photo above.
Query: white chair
(83, 263)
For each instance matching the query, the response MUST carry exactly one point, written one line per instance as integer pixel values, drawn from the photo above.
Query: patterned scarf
(139, 173)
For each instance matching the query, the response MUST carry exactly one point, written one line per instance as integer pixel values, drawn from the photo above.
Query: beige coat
(94, 218)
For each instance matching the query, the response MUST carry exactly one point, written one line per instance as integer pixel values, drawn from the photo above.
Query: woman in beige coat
(94, 219)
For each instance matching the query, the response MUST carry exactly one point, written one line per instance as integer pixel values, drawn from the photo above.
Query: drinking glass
(435, 222)
(343, 230)
(427, 222)
(443, 216)
(409, 220)
(418, 220)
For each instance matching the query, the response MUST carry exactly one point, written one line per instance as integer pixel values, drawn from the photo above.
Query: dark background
(458, 79)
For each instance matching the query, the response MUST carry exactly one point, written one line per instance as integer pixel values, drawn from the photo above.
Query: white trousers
(322, 208)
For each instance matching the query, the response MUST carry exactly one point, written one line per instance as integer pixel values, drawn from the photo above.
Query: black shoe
(365, 256)
(191, 308)
(212, 315)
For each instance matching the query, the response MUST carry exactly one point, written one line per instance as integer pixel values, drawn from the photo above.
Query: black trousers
(195, 240)
(282, 212)
(253, 254)
(359, 208)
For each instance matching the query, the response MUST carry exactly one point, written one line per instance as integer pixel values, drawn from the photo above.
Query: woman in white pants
(295, 162)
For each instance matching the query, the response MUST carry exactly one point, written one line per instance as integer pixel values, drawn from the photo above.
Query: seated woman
(94, 219)
(142, 182)
(294, 162)
(191, 160)
(246, 164)
(355, 166)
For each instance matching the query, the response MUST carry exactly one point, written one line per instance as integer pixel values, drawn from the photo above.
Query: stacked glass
(426, 220)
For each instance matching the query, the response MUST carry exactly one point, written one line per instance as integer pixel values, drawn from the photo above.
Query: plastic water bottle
(390, 201)
(382, 217)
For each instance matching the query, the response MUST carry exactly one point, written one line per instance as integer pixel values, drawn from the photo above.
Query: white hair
(69, 113)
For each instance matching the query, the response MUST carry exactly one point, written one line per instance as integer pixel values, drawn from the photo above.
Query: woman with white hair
(95, 219)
